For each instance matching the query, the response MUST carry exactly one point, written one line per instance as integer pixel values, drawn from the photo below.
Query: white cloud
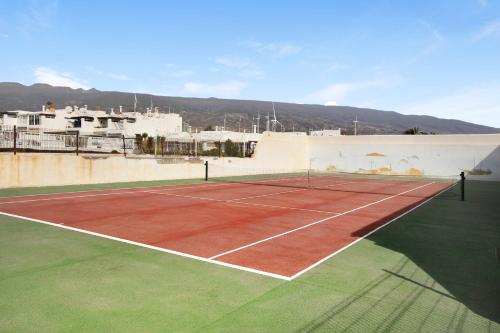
(489, 29)
(244, 67)
(274, 49)
(438, 37)
(332, 92)
(63, 79)
(478, 104)
(174, 71)
(336, 67)
(115, 76)
(330, 103)
(338, 92)
(39, 14)
(183, 73)
(232, 62)
(121, 77)
(226, 89)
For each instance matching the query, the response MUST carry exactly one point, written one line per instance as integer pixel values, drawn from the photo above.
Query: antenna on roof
(356, 126)
(135, 103)
(258, 122)
(275, 121)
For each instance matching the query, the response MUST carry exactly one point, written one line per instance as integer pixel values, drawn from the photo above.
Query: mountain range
(238, 114)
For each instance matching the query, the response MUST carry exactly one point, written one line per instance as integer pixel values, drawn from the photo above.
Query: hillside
(202, 112)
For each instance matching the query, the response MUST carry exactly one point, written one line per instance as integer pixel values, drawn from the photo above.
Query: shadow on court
(449, 273)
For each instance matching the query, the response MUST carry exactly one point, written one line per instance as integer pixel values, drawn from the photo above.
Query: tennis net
(319, 180)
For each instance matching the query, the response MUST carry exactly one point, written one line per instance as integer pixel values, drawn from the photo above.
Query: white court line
(368, 234)
(314, 223)
(283, 192)
(99, 190)
(238, 202)
(167, 187)
(151, 247)
(283, 207)
(184, 196)
(70, 197)
(268, 194)
(243, 268)
(117, 191)
(135, 190)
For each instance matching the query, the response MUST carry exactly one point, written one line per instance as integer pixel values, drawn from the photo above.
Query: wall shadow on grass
(449, 260)
(454, 243)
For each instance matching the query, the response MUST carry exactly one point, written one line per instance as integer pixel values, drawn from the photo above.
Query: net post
(462, 185)
(124, 149)
(206, 171)
(77, 142)
(15, 139)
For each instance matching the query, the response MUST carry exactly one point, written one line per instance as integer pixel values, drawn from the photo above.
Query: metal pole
(15, 139)
(462, 184)
(156, 143)
(206, 170)
(124, 149)
(77, 142)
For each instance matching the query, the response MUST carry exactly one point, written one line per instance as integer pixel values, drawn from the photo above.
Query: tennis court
(280, 226)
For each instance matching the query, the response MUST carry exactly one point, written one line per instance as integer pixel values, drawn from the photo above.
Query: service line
(316, 222)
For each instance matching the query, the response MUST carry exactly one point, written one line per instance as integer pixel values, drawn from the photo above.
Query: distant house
(94, 122)
(326, 132)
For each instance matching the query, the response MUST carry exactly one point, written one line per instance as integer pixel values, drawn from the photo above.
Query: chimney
(43, 108)
(85, 107)
(121, 109)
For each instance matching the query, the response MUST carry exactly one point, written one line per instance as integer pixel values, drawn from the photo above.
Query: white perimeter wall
(426, 155)
(25, 170)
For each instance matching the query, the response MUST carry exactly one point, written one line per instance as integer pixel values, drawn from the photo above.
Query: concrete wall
(425, 155)
(283, 151)
(430, 155)
(24, 170)
(421, 155)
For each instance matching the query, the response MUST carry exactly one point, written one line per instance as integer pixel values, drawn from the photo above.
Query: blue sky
(440, 58)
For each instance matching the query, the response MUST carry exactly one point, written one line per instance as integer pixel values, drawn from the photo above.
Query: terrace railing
(24, 140)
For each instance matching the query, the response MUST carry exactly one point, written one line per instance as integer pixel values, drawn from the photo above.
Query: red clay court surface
(272, 230)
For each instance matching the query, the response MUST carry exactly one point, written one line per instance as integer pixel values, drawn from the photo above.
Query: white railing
(32, 141)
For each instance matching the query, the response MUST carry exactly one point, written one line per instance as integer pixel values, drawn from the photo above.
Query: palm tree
(412, 131)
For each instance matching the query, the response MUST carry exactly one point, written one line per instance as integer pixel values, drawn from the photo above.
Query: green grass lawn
(434, 270)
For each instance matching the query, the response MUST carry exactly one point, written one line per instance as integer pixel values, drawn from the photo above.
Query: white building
(94, 122)
(325, 132)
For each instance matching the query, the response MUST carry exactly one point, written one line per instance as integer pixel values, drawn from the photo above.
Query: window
(34, 119)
